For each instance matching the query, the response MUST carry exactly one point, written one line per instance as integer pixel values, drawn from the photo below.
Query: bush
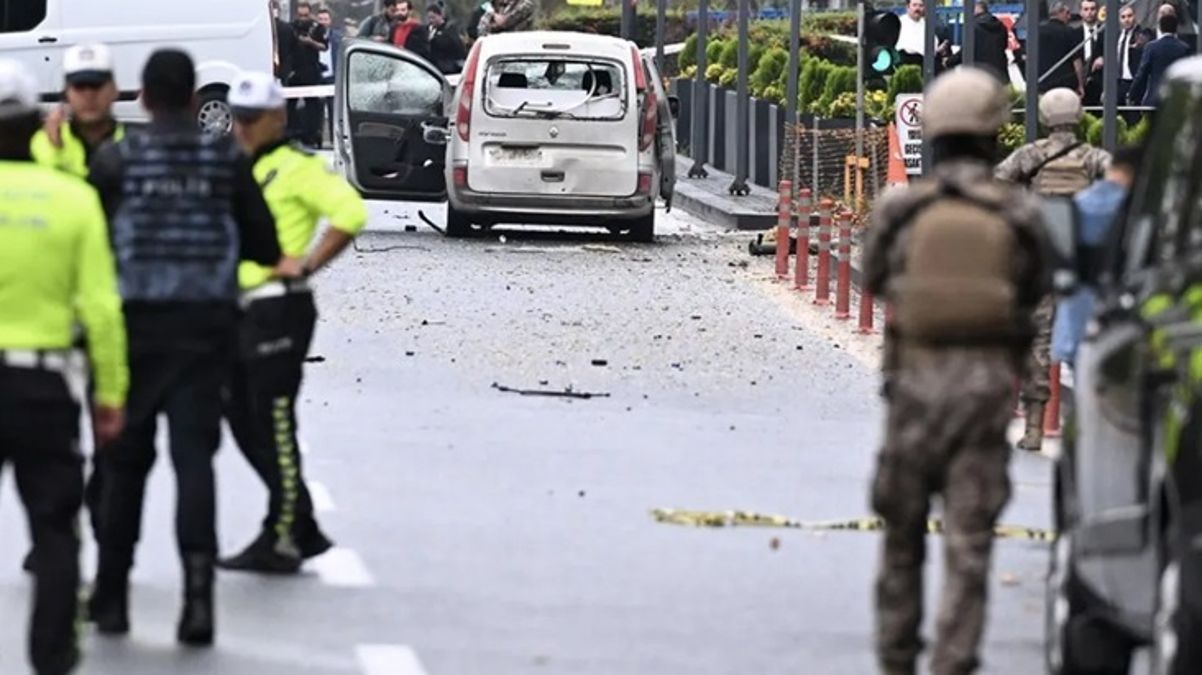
(713, 51)
(905, 80)
(729, 56)
(1138, 133)
(608, 21)
(813, 81)
(688, 56)
(767, 72)
(841, 79)
(713, 73)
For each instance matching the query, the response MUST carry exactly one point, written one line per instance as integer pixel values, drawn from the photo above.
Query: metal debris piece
(565, 393)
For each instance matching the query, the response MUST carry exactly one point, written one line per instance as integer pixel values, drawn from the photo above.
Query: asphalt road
(488, 533)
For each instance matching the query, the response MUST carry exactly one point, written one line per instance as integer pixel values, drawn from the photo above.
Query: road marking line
(389, 660)
(304, 447)
(343, 567)
(323, 502)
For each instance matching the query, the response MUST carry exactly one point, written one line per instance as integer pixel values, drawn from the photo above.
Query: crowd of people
(1071, 49)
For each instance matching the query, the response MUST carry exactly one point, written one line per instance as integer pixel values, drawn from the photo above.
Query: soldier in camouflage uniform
(961, 244)
(1059, 165)
(510, 16)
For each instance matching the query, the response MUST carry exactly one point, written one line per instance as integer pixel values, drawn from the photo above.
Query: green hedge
(608, 21)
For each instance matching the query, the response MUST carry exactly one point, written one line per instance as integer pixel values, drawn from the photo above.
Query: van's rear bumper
(537, 209)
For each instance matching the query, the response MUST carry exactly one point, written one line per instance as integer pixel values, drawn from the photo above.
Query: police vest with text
(958, 281)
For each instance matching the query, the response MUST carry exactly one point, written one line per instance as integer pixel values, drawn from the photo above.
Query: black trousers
(305, 123)
(39, 436)
(184, 383)
(274, 338)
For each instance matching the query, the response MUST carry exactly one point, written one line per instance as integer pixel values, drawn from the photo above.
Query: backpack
(1062, 174)
(958, 283)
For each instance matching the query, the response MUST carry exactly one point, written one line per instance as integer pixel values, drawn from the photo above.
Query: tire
(213, 112)
(1176, 627)
(458, 225)
(643, 229)
(1075, 643)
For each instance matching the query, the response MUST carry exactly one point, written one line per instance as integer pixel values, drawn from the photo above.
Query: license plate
(517, 156)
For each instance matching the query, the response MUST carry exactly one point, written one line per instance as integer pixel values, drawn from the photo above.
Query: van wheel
(458, 226)
(1073, 643)
(213, 114)
(643, 229)
(1176, 627)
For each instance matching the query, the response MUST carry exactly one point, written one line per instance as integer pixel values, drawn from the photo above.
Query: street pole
(859, 85)
(1032, 74)
(742, 104)
(791, 92)
(1110, 76)
(661, 18)
(628, 19)
(928, 71)
(968, 33)
(700, 99)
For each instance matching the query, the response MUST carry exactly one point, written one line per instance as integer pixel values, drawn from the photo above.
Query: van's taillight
(644, 183)
(463, 119)
(650, 110)
(459, 176)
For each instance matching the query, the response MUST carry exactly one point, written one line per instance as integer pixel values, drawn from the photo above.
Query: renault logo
(554, 132)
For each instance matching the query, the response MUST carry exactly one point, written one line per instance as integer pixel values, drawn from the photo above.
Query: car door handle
(47, 40)
(553, 176)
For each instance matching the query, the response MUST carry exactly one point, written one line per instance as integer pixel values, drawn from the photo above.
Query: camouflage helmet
(967, 101)
(1060, 107)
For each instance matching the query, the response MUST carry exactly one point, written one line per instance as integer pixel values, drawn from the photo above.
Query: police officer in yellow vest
(279, 318)
(67, 144)
(55, 266)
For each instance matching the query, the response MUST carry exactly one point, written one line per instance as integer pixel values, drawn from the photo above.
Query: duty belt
(69, 364)
(274, 289)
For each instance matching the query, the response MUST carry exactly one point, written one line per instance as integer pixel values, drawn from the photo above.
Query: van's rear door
(383, 98)
(665, 134)
(555, 124)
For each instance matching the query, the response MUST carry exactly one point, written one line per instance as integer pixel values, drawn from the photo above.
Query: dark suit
(1157, 58)
(1057, 40)
(989, 48)
(446, 48)
(1131, 51)
(1090, 53)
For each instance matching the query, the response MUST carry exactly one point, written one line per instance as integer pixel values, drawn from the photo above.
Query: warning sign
(909, 131)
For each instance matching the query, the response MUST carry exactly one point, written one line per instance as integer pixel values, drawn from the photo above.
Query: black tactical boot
(265, 556)
(196, 621)
(1033, 437)
(313, 542)
(108, 606)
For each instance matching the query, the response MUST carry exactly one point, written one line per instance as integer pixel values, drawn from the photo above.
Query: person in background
(407, 31)
(446, 47)
(1098, 204)
(378, 27)
(476, 21)
(1132, 41)
(329, 60)
(1090, 39)
(1056, 41)
(311, 41)
(68, 138)
(350, 29)
(508, 16)
(285, 44)
(913, 34)
(992, 39)
(1158, 56)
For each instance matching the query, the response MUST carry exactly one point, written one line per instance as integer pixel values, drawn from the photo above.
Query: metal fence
(824, 161)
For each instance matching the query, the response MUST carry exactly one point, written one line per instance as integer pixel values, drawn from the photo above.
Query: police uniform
(183, 210)
(959, 256)
(83, 65)
(55, 266)
(275, 332)
(1059, 165)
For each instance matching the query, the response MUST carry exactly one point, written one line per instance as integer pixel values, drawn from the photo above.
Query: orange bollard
(843, 282)
(1051, 415)
(801, 270)
(783, 212)
(866, 313)
(822, 288)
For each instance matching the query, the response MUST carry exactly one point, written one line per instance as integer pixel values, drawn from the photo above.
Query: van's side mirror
(435, 135)
(1062, 226)
(674, 106)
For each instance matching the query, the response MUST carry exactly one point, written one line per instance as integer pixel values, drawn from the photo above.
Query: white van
(544, 128)
(223, 37)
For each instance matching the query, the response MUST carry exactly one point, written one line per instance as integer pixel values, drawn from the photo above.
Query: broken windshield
(556, 87)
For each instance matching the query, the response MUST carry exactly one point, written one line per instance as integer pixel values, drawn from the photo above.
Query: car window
(555, 87)
(382, 84)
(18, 16)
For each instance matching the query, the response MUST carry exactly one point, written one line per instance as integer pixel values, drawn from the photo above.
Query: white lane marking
(389, 660)
(320, 494)
(304, 447)
(343, 567)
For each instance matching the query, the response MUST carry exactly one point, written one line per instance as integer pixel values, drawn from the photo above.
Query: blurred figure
(285, 44)
(1132, 40)
(183, 209)
(329, 61)
(407, 31)
(311, 42)
(1099, 205)
(70, 136)
(1157, 57)
(446, 47)
(1056, 41)
(378, 27)
(508, 16)
(1091, 52)
(57, 268)
(992, 40)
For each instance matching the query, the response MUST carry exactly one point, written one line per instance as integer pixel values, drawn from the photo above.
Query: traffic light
(881, 30)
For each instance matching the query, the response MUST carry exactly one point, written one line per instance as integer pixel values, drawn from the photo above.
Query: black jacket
(989, 50)
(446, 48)
(1057, 40)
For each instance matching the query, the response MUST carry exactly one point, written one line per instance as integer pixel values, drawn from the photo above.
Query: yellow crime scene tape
(752, 519)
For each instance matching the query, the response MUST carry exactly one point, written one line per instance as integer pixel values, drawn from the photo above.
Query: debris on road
(565, 393)
(315, 359)
(753, 519)
(600, 363)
